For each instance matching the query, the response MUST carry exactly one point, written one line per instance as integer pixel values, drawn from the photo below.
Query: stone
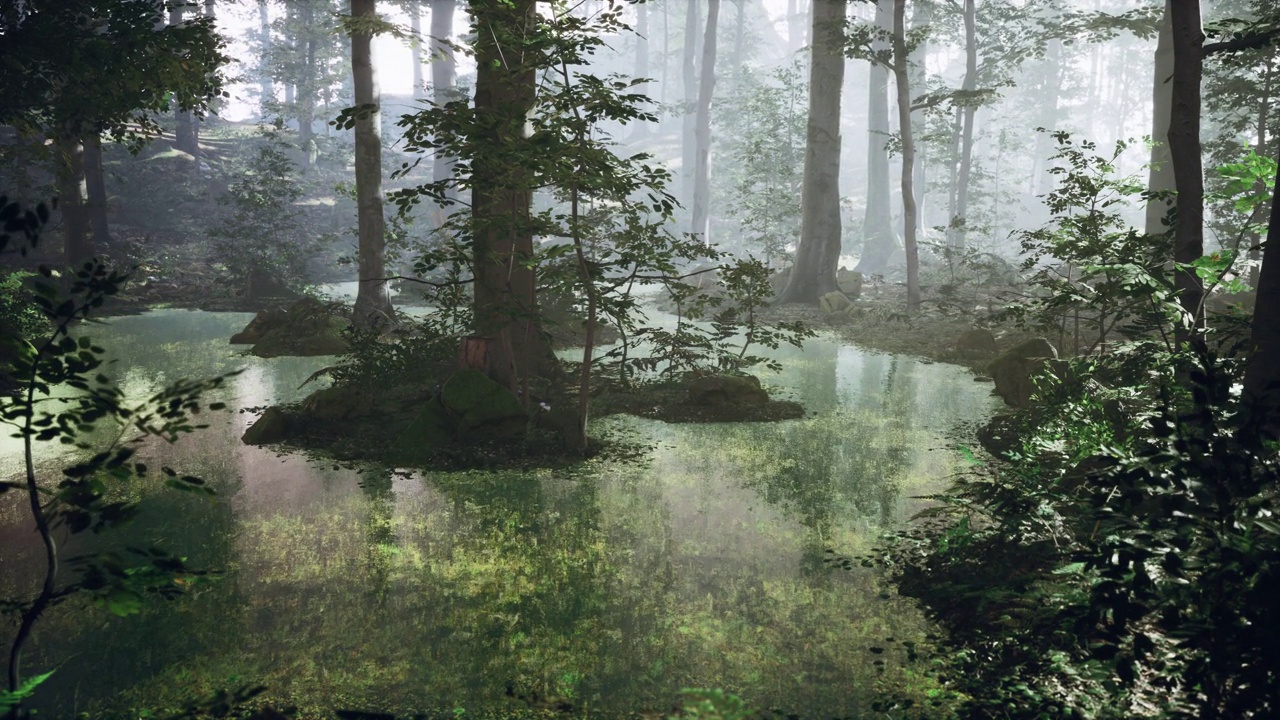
(977, 341)
(834, 302)
(999, 436)
(271, 427)
(430, 430)
(849, 282)
(1013, 371)
(481, 408)
(306, 329)
(258, 327)
(726, 389)
(338, 403)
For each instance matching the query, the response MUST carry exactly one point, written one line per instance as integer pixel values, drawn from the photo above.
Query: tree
(967, 110)
(901, 58)
(1262, 374)
(186, 136)
(69, 76)
(878, 239)
(689, 123)
(702, 132)
(1184, 152)
(373, 300)
(444, 71)
(1160, 179)
(814, 272)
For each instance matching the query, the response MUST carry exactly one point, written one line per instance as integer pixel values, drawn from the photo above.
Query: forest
(640, 359)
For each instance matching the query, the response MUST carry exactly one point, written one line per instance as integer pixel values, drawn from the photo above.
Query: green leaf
(10, 700)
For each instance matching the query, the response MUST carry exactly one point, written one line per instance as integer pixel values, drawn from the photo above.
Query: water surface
(607, 589)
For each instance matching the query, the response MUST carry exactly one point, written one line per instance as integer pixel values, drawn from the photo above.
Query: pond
(602, 592)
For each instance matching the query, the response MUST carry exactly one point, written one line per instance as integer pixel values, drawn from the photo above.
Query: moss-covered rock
(271, 427)
(1013, 371)
(726, 389)
(482, 408)
(307, 328)
(338, 403)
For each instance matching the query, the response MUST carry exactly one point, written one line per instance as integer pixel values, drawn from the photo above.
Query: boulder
(999, 436)
(976, 342)
(834, 303)
(307, 328)
(1013, 371)
(271, 427)
(338, 403)
(725, 389)
(481, 408)
(430, 430)
(849, 282)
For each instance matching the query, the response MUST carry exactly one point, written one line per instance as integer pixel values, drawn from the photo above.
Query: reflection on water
(609, 588)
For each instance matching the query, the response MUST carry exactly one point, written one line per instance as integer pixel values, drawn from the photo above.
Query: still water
(605, 590)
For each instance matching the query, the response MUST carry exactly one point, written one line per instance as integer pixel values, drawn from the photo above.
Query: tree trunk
(95, 189)
(266, 87)
(185, 135)
(1264, 122)
(795, 26)
(878, 241)
(908, 154)
(77, 243)
(444, 71)
(307, 87)
(921, 19)
(963, 175)
(814, 272)
(505, 300)
(373, 300)
(1049, 116)
(1160, 174)
(640, 129)
(689, 124)
(702, 135)
(1184, 149)
(415, 47)
(1262, 374)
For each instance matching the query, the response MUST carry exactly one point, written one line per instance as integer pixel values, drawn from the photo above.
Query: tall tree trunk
(921, 19)
(1049, 116)
(373, 300)
(266, 86)
(1264, 122)
(795, 26)
(960, 219)
(415, 47)
(77, 243)
(689, 124)
(307, 86)
(185, 138)
(505, 299)
(1184, 149)
(1160, 173)
(640, 129)
(1262, 374)
(818, 255)
(702, 135)
(900, 61)
(878, 240)
(444, 74)
(96, 189)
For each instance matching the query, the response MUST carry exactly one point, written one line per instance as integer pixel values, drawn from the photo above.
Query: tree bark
(965, 171)
(921, 19)
(373, 299)
(641, 129)
(415, 47)
(1264, 128)
(185, 138)
(266, 87)
(814, 272)
(1160, 174)
(77, 243)
(908, 154)
(689, 124)
(307, 85)
(505, 298)
(1262, 374)
(878, 240)
(95, 189)
(1049, 116)
(444, 71)
(702, 133)
(1184, 149)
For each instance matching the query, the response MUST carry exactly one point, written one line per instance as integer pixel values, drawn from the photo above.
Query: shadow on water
(605, 589)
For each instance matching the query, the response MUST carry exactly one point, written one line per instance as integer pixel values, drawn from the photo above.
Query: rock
(307, 328)
(849, 282)
(1013, 371)
(272, 427)
(481, 408)
(778, 280)
(834, 302)
(725, 389)
(977, 342)
(430, 430)
(338, 403)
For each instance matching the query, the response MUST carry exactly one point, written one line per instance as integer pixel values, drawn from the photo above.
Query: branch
(1250, 41)
(451, 283)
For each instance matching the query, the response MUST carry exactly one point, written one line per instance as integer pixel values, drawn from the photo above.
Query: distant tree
(79, 68)
(879, 242)
(444, 78)
(814, 272)
(702, 127)
(901, 60)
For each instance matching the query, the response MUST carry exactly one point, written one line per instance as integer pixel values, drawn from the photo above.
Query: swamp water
(608, 589)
